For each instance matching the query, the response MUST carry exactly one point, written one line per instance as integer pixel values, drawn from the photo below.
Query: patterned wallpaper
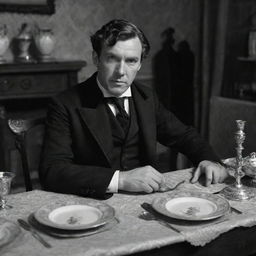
(75, 20)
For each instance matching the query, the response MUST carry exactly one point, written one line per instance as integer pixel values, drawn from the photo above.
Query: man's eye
(132, 61)
(111, 58)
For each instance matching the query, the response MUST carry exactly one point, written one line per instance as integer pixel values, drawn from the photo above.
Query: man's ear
(95, 58)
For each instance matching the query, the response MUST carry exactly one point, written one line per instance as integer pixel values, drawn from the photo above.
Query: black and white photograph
(127, 127)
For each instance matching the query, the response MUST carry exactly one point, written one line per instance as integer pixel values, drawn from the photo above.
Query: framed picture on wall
(28, 6)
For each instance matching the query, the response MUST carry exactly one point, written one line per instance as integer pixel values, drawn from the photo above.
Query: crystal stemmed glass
(5, 186)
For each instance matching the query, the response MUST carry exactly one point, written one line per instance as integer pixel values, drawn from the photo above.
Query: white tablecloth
(131, 235)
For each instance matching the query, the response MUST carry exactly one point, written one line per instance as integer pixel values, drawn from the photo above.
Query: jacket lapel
(95, 116)
(144, 106)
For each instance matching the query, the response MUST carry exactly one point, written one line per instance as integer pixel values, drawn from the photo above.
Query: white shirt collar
(106, 94)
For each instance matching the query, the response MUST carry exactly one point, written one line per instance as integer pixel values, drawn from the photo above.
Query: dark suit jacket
(78, 140)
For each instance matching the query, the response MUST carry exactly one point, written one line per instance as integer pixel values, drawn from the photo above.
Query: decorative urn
(4, 42)
(45, 42)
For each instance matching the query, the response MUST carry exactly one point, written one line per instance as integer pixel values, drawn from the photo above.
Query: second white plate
(194, 206)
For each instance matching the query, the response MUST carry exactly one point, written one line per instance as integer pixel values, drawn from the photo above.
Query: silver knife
(28, 227)
(235, 210)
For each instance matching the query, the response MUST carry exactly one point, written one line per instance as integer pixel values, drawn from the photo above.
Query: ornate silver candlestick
(238, 191)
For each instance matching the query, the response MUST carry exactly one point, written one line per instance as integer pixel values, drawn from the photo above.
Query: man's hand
(142, 179)
(214, 172)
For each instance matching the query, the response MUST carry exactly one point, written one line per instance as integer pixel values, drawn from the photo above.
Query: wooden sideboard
(25, 89)
(37, 80)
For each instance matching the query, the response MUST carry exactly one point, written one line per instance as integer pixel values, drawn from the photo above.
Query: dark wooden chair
(222, 125)
(21, 128)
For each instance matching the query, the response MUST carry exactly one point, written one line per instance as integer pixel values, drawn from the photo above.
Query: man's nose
(120, 69)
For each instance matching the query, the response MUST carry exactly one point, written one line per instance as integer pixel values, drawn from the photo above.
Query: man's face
(118, 65)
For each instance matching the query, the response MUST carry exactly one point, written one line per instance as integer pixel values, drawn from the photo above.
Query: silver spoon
(149, 216)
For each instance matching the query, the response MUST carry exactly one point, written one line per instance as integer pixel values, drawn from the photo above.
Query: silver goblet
(238, 191)
(5, 186)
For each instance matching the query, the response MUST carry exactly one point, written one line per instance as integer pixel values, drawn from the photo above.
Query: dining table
(130, 232)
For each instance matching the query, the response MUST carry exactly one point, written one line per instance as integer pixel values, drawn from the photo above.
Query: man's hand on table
(142, 179)
(214, 172)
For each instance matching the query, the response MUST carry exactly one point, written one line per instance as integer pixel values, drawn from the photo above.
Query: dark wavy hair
(118, 30)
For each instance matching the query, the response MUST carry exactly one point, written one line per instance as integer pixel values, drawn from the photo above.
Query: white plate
(56, 232)
(195, 206)
(77, 214)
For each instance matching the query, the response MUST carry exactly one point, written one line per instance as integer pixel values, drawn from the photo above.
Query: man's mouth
(118, 82)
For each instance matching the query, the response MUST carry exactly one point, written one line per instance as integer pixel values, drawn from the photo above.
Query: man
(94, 146)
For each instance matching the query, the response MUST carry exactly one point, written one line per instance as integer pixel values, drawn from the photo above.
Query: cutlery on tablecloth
(235, 210)
(231, 208)
(34, 233)
(149, 216)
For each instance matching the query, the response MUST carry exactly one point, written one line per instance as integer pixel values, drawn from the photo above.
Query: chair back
(222, 126)
(21, 128)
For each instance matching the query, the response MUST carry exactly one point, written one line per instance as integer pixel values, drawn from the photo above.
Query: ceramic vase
(4, 42)
(45, 42)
